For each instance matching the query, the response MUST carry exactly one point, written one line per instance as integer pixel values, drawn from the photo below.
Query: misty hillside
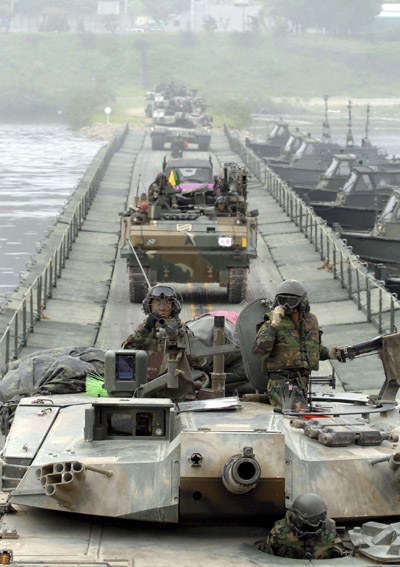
(75, 74)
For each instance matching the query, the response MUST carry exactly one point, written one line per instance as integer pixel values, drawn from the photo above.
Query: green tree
(210, 24)
(161, 10)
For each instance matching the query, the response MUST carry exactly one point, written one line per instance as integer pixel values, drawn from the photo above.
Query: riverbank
(235, 73)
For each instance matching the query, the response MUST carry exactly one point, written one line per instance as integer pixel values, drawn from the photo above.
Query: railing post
(15, 336)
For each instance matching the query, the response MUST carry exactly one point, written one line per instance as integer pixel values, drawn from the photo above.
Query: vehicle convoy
(191, 239)
(179, 112)
(174, 450)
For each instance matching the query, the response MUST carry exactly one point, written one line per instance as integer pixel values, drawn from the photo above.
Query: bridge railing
(381, 307)
(28, 311)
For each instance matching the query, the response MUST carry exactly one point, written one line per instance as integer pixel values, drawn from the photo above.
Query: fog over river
(40, 167)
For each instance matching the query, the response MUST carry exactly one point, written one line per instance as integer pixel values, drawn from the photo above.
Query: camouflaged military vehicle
(192, 131)
(174, 450)
(197, 234)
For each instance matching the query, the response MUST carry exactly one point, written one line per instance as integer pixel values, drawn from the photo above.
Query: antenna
(365, 141)
(326, 129)
(349, 137)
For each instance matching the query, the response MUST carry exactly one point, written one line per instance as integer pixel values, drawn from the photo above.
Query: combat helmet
(291, 294)
(161, 178)
(163, 292)
(308, 514)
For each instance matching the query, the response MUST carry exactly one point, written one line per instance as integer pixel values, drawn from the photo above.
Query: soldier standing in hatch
(290, 342)
(161, 302)
(305, 533)
(162, 191)
(221, 207)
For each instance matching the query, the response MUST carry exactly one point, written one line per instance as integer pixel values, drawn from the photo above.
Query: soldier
(177, 146)
(161, 302)
(162, 191)
(290, 342)
(305, 532)
(221, 207)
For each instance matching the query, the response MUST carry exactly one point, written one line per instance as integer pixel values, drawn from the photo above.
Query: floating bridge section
(77, 294)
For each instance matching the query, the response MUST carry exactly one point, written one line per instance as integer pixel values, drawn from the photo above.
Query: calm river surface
(40, 167)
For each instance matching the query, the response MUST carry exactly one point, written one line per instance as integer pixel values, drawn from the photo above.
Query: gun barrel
(169, 329)
(350, 352)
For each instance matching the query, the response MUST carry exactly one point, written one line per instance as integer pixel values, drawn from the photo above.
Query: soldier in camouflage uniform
(305, 532)
(290, 342)
(162, 302)
(162, 192)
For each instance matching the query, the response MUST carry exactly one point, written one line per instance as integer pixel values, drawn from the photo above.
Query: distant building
(236, 15)
(389, 16)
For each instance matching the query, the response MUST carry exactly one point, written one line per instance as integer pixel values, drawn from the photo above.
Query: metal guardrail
(29, 310)
(381, 307)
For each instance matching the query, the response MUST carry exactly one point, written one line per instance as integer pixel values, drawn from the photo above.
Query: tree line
(331, 16)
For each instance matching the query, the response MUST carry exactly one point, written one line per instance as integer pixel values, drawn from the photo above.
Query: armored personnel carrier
(195, 234)
(172, 451)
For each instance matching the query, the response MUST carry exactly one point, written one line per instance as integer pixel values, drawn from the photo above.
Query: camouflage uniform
(142, 339)
(164, 193)
(284, 542)
(291, 351)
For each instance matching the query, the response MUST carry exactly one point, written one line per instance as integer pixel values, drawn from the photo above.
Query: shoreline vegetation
(72, 77)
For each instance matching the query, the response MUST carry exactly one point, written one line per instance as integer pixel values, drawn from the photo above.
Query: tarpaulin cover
(58, 371)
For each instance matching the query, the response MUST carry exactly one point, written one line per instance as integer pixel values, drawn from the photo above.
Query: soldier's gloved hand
(335, 354)
(277, 315)
(151, 321)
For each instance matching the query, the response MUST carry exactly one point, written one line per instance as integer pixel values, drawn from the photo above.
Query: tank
(176, 450)
(165, 132)
(178, 112)
(191, 240)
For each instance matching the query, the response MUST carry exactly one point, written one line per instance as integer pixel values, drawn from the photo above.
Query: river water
(40, 167)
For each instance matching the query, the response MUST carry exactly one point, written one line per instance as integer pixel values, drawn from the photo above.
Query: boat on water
(360, 200)
(337, 172)
(274, 143)
(308, 163)
(381, 245)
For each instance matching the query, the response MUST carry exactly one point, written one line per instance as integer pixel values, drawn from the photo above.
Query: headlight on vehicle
(225, 241)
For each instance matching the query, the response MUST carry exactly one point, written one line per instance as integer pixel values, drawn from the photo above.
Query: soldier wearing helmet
(221, 206)
(305, 533)
(290, 343)
(162, 192)
(161, 302)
